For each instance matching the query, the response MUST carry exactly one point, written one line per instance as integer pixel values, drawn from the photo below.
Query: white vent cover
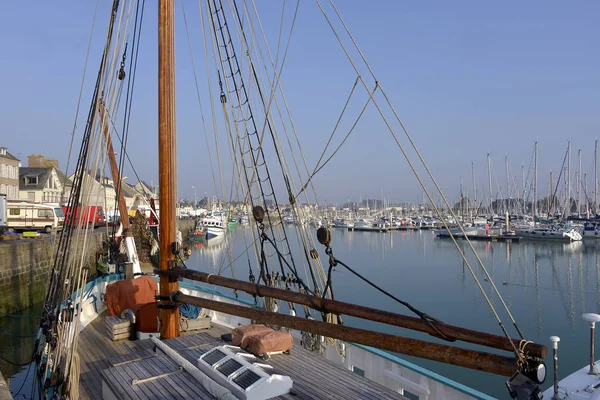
(245, 380)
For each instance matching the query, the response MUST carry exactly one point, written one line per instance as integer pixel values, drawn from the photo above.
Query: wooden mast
(115, 172)
(127, 235)
(169, 314)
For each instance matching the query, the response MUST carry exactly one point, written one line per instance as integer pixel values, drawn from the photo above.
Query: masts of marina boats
(128, 237)
(567, 210)
(551, 197)
(523, 197)
(587, 202)
(578, 182)
(474, 185)
(487, 362)
(535, 177)
(489, 160)
(596, 177)
(169, 314)
(507, 185)
(354, 310)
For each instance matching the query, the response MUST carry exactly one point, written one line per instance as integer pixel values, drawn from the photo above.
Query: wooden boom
(354, 310)
(486, 362)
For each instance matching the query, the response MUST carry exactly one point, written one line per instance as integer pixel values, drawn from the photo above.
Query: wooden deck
(313, 376)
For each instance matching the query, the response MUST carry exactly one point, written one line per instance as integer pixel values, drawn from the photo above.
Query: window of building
(31, 196)
(31, 180)
(3, 188)
(3, 171)
(15, 211)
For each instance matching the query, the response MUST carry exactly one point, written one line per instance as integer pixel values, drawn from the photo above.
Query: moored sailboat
(74, 316)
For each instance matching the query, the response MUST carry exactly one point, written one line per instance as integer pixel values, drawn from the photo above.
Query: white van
(34, 216)
(2, 213)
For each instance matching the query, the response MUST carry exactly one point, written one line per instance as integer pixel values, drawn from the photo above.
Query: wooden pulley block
(259, 213)
(324, 236)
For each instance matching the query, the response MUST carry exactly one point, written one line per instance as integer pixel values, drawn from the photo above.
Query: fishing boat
(198, 234)
(114, 337)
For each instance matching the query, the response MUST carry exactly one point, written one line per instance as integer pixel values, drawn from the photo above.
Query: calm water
(548, 287)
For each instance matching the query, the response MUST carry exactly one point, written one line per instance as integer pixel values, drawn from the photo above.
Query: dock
(487, 238)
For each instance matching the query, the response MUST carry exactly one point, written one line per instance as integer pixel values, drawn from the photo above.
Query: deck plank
(122, 361)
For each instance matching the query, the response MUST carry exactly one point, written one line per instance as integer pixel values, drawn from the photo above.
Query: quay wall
(25, 267)
(186, 226)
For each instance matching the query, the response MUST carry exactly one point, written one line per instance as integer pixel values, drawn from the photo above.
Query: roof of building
(9, 156)
(128, 190)
(42, 174)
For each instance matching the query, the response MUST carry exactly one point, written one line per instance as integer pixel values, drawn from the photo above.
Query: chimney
(2, 151)
(51, 162)
(35, 161)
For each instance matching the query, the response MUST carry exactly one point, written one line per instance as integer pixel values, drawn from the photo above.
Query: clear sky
(467, 77)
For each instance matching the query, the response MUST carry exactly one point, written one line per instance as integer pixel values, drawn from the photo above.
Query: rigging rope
(385, 120)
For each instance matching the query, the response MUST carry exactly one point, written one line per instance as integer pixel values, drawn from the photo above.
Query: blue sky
(468, 78)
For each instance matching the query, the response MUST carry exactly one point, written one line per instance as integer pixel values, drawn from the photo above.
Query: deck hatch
(246, 379)
(229, 367)
(213, 357)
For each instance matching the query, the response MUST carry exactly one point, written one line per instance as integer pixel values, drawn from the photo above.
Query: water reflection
(18, 350)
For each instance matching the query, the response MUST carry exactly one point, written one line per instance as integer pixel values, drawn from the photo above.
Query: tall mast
(490, 182)
(535, 176)
(596, 177)
(507, 184)
(568, 181)
(523, 187)
(578, 183)
(551, 198)
(474, 187)
(587, 202)
(169, 314)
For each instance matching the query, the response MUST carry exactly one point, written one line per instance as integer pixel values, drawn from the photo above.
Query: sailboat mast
(523, 188)
(507, 185)
(568, 181)
(167, 177)
(596, 177)
(474, 187)
(578, 182)
(490, 182)
(551, 198)
(535, 176)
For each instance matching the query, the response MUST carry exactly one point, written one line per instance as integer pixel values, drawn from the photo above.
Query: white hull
(549, 234)
(457, 232)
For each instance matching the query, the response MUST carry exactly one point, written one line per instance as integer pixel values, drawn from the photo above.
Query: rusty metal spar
(339, 307)
(477, 360)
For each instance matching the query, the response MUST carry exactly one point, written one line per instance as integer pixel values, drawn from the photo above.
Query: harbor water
(547, 286)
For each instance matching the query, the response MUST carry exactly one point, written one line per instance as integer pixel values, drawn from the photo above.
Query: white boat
(591, 230)
(213, 225)
(583, 384)
(469, 231)
(556, 234)
(75, 337)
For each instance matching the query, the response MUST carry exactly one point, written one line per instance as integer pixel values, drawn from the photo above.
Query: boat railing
(377, 365)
